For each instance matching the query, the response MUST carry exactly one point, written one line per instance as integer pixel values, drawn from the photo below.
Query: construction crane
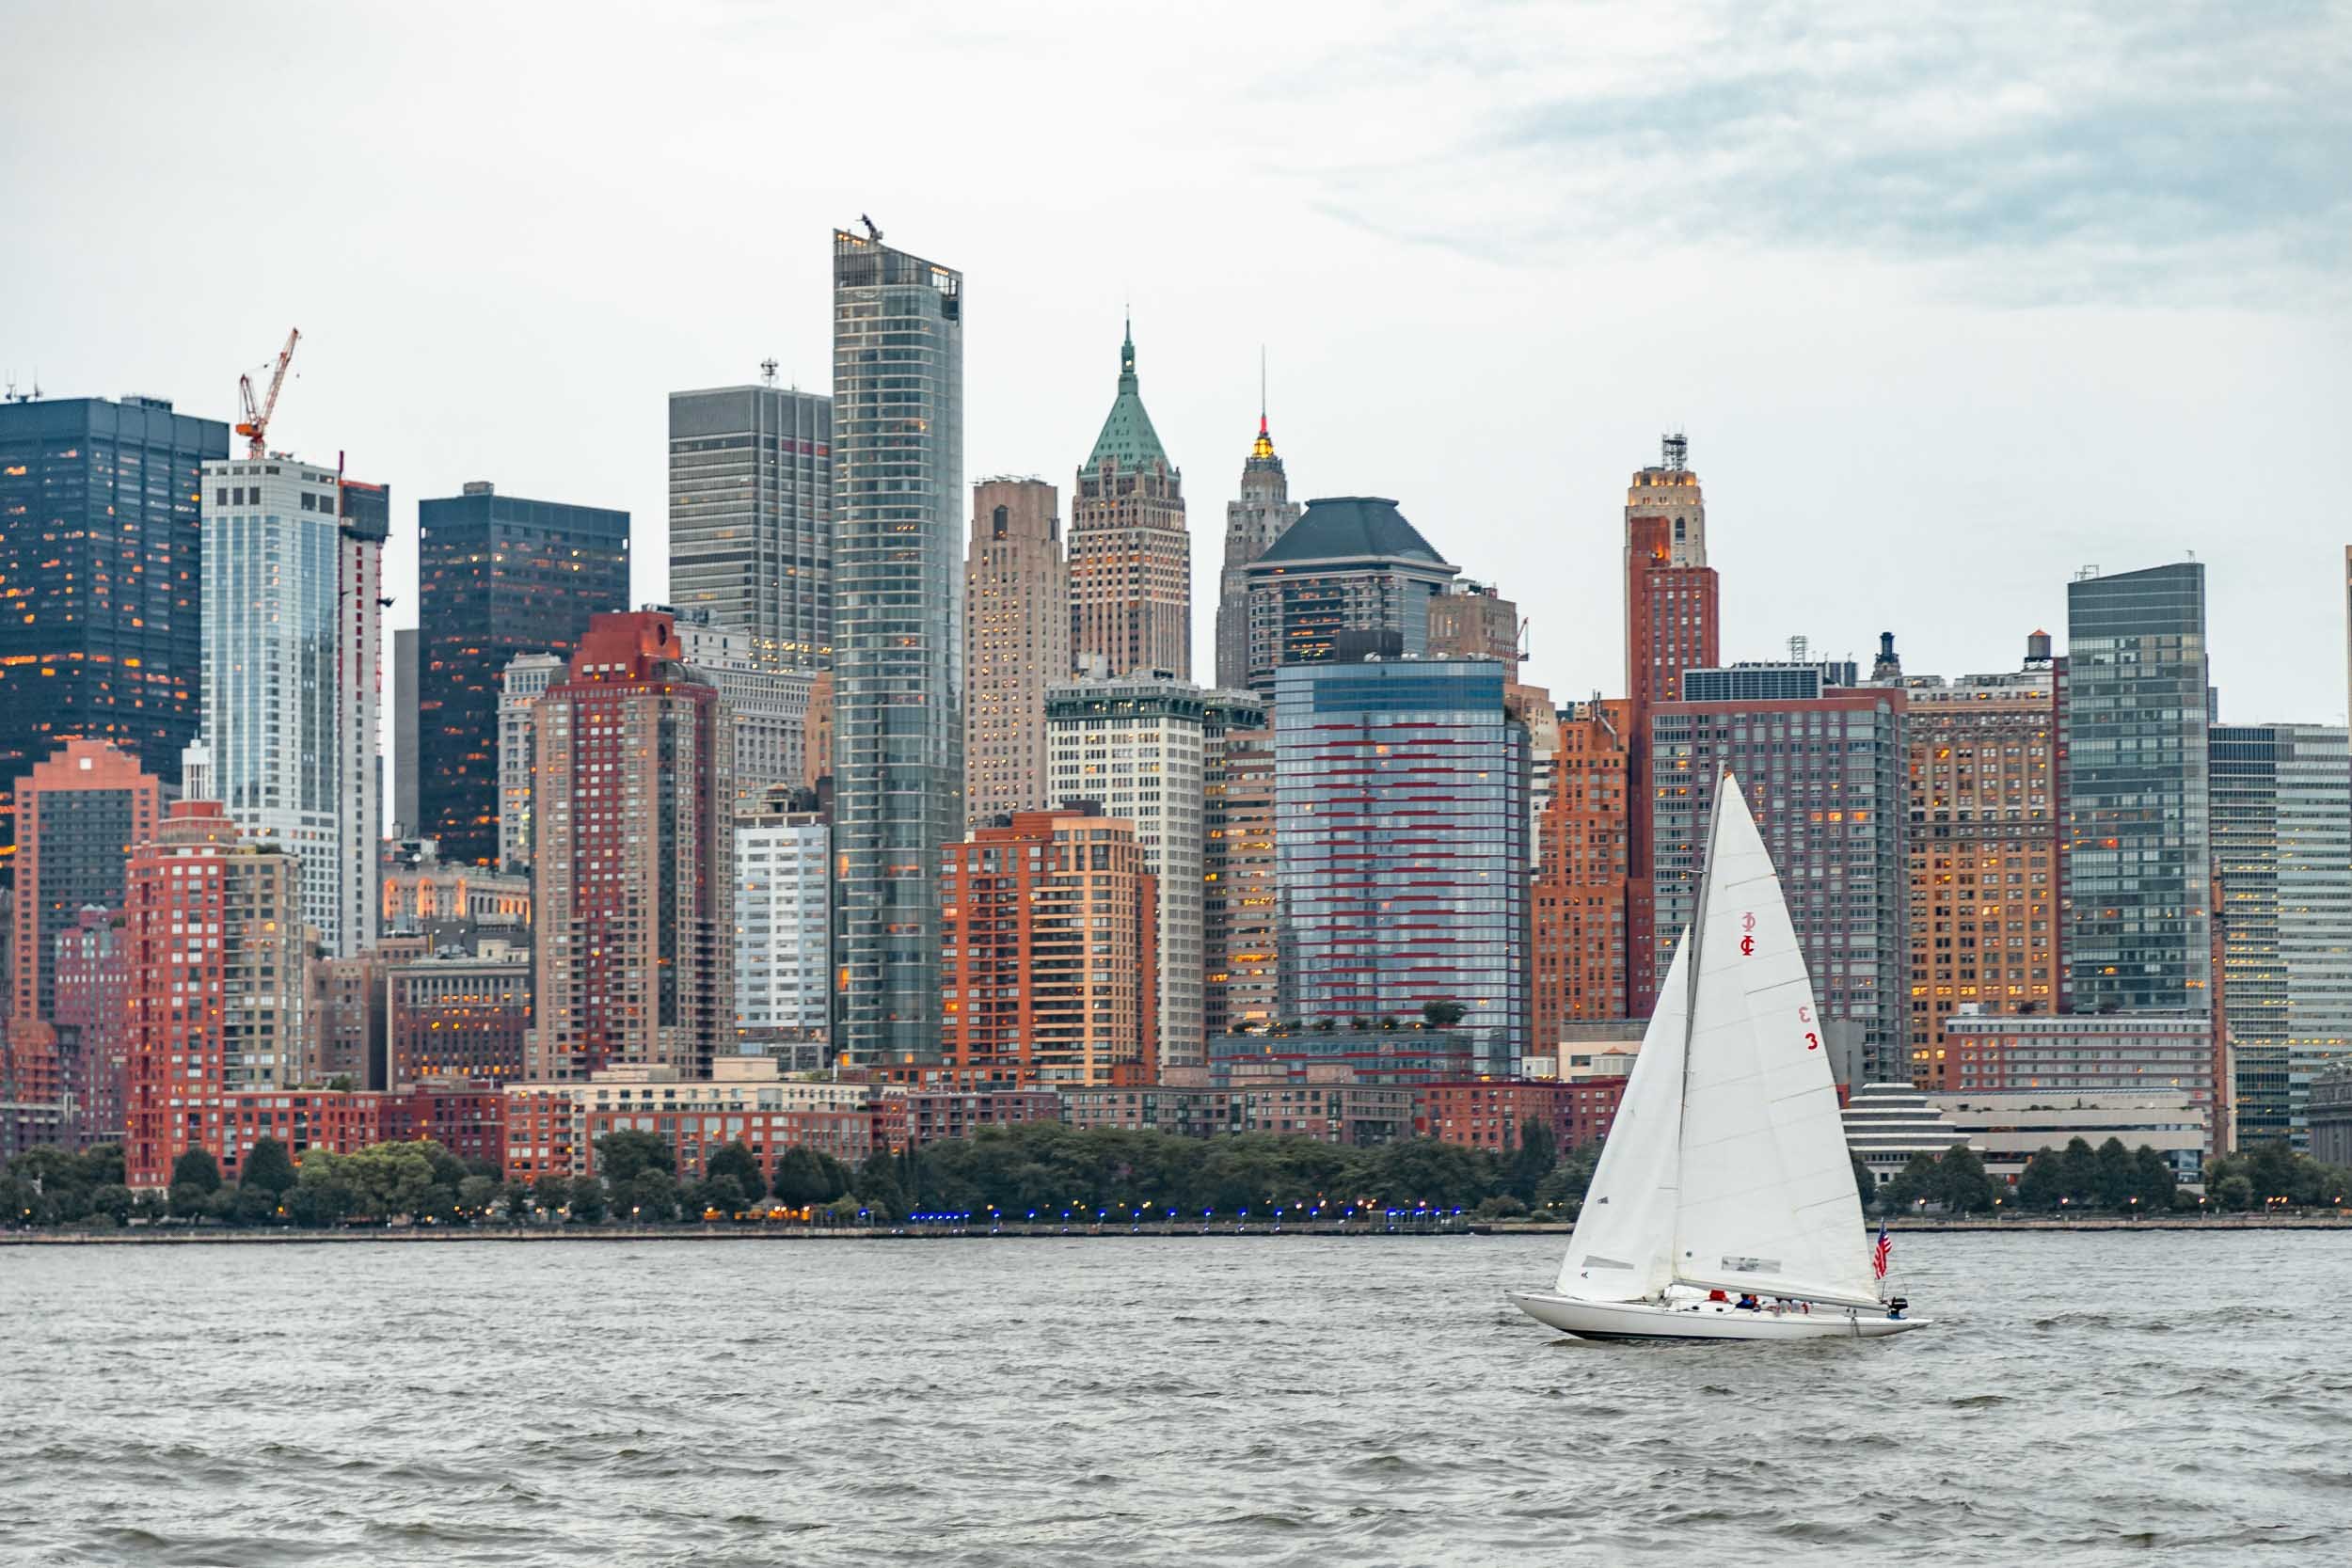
(255, 425)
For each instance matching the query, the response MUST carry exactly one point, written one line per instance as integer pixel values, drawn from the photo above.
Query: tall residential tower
(897, 406)
(294, 628)
(2140, 842)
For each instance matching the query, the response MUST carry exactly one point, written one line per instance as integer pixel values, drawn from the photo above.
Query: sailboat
(1725, 1174)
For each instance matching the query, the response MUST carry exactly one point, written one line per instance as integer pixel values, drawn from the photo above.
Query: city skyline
(2059, 390)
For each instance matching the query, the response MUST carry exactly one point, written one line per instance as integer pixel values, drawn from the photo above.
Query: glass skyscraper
(2139, 849)
(898, 636)
(2282, 851)
(1401, 844)
(101, 578)
(293, 617)
(751, 516)
(497, 576)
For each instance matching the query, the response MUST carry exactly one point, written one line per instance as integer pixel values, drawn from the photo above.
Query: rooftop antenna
(1797, 647)
(1677, 450)
(872, 231)
(768, 372)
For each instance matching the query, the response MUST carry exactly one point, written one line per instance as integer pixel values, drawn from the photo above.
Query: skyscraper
(1242, 986)
(2282, 854)
(101, 565)
(1987, 923)
(521, 684)
(497, 576)
(217, 1001)
(294, 657)
(1262, 515)
(782, 926)
(1670, 626)
(2140, 848)
(1581, 870)
(751, 516)
(1050, 972)
(1137, 748)
(635, 812)
(1130, 557)
(1401, 842)
(1826, 777)
(898, 354)
(1016, 633)
(1351, 563)
(80, 815)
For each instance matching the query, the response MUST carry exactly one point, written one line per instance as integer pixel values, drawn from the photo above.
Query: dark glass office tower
(2139, 846)
(898, 636)
(497, 576)
(101, 572)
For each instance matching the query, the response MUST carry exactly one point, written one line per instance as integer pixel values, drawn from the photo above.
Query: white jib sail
(1622, 1249)
(1765, 1190)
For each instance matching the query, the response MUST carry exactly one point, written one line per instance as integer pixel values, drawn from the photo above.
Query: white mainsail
(1622, 1249)
(1726, 1166)
(1766, 1190)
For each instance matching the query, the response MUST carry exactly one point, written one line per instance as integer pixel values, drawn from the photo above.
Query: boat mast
(1695, 937)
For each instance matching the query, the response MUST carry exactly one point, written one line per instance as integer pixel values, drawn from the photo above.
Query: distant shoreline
(747, 1233)
(2039, 1224)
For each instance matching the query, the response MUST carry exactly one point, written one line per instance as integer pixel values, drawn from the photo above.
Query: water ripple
(2092, 1398)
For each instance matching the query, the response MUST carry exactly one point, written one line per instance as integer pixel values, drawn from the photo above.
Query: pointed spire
(1263, 447)
(1128, 439)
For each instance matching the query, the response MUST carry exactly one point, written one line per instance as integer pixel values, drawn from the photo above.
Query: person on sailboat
(1749, 1303)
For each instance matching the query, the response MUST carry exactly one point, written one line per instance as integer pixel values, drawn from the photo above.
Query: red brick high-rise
(1671, 624)
(92, 1010)
(1582, 865)
(1049, 971)
(216, 994)
(634, 857)
(78, 817)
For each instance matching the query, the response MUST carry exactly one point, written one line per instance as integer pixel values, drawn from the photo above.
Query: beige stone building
(1016, 643)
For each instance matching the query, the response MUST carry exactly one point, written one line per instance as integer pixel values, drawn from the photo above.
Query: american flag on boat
(1881, 1252)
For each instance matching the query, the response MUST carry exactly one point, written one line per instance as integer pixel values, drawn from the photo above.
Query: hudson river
(2087, 1399)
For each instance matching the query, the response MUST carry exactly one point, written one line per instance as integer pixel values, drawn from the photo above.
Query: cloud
(2149, 154)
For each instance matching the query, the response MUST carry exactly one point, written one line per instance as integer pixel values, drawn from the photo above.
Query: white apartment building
(783, 915)
(292, 667)
(525, 680)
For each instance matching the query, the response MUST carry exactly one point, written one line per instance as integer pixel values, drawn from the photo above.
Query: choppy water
(2091, 1398)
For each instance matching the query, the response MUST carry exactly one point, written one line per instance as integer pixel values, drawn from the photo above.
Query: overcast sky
(1948, 307)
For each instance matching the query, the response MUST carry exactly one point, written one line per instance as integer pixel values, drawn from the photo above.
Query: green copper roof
(1128, 442)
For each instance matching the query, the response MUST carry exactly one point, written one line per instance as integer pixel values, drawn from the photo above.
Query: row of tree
(2109, 1178)
(1045, 1170)
(1041, 1169)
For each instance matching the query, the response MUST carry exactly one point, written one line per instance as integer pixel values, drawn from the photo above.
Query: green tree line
(1043, 1167)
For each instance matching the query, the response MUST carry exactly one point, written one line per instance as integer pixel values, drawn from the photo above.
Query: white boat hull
(1703, 1320)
